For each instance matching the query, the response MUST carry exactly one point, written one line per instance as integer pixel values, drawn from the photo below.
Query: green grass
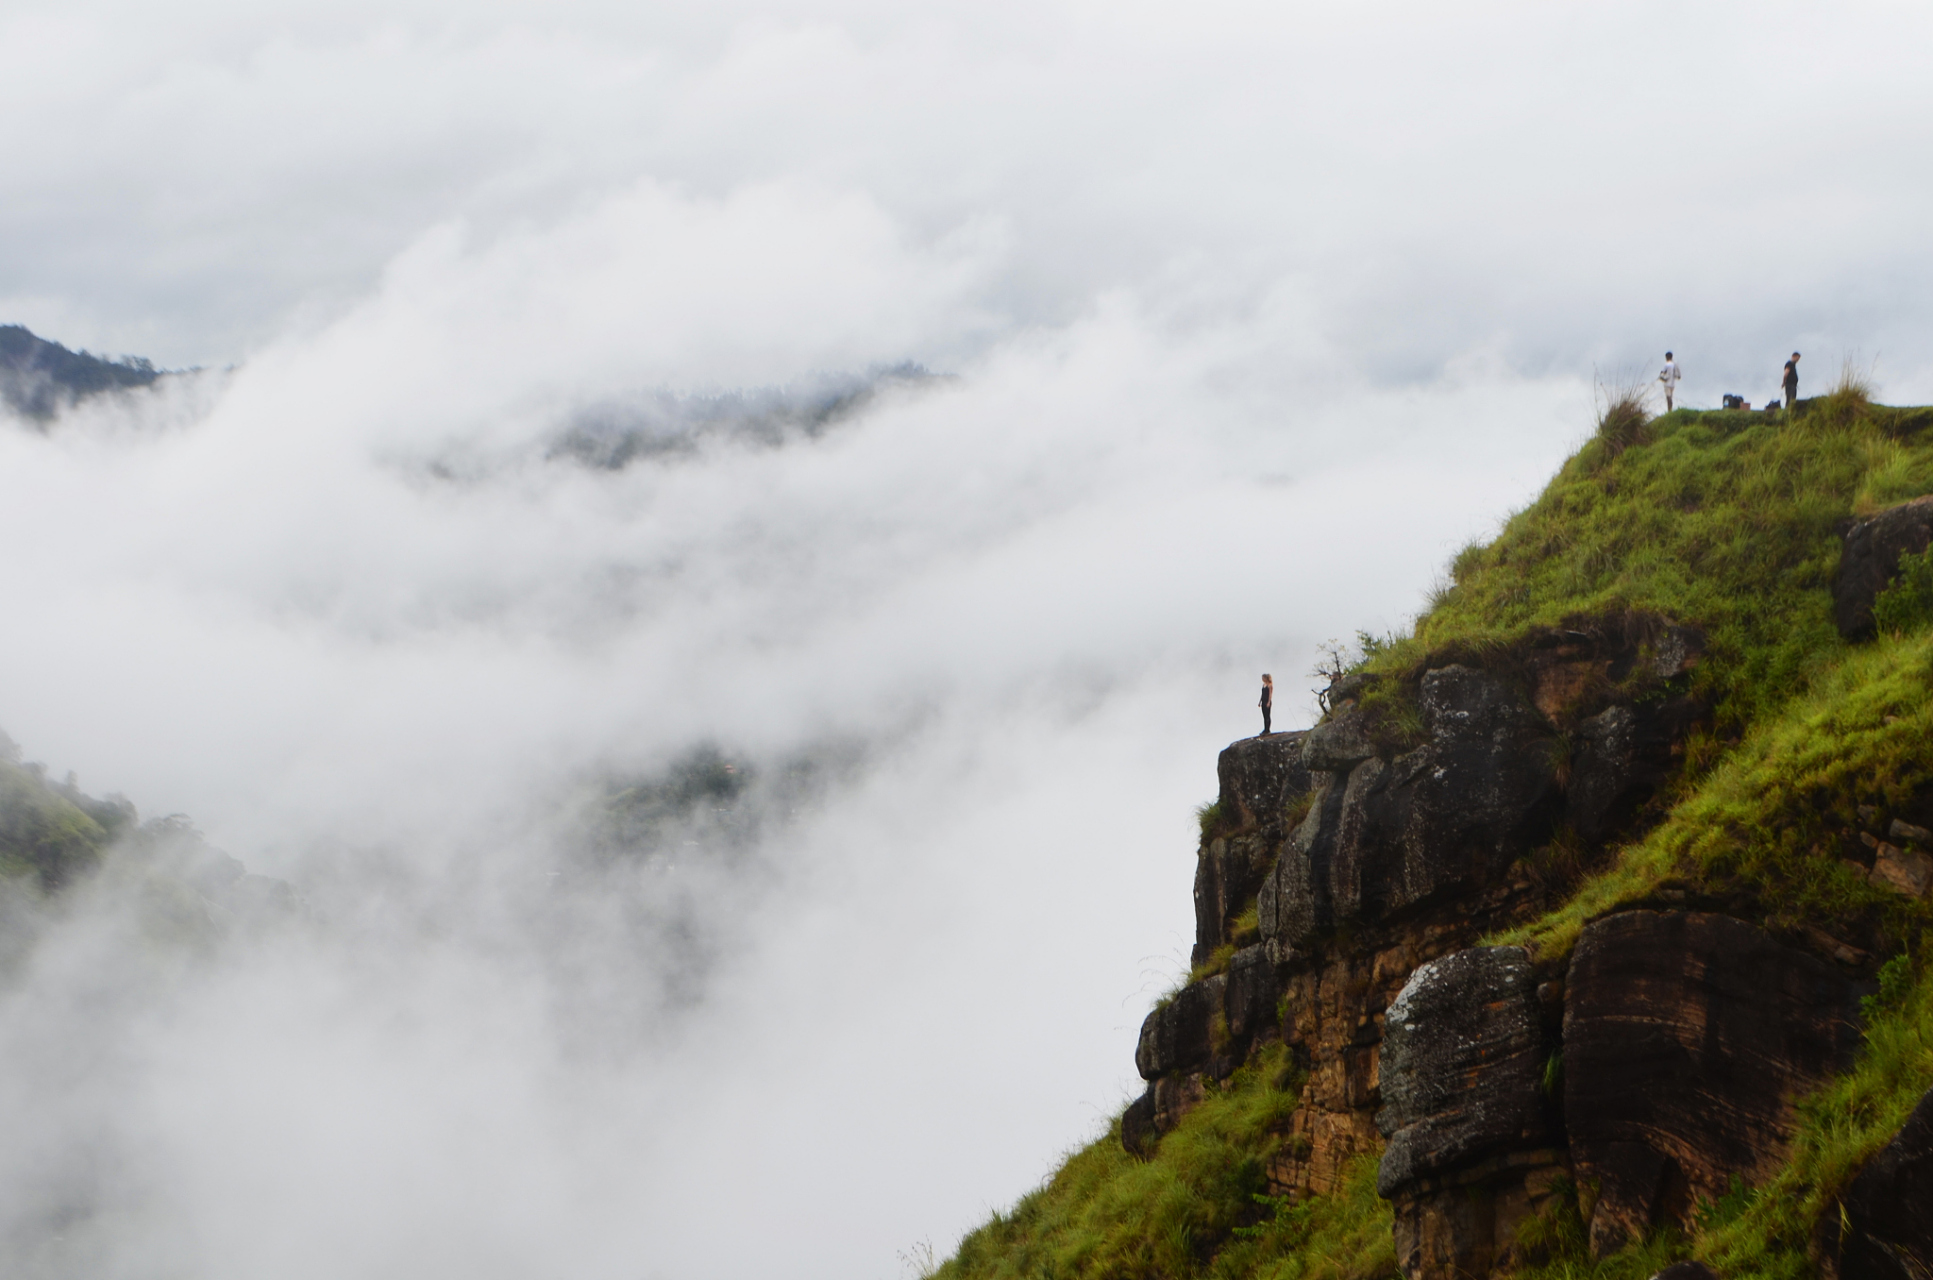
(1726, 521)
(1196, 1209)
(1907, 605)
(1765, 818)
(1730, 525)
(1106, 1213)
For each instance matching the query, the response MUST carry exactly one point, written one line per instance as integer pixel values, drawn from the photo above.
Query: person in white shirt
(1669, 375)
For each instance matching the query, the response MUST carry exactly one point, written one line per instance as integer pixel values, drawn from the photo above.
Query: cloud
(1027, 593)
(1252, 319)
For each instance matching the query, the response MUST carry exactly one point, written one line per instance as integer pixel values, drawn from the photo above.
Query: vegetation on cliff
(1732, 523)
(38, 378)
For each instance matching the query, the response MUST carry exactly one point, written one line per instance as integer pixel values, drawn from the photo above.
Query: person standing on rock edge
(1669, 375)
(1791, 380)
(1267, 704)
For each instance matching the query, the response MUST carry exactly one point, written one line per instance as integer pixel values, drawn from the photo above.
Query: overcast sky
(1254, 315)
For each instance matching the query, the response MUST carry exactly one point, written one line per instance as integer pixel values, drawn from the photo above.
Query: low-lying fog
(938, 522)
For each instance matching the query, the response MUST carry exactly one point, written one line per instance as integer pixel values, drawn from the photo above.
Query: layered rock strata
(1339, 906)
(1687, 1036)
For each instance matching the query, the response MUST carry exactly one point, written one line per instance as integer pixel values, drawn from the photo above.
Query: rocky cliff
(1581, 933)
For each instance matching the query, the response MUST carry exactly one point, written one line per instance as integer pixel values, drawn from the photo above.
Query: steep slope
(1584, 934)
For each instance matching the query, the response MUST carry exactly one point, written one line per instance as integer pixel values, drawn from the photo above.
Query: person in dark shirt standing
(1792, 380)
(1267, 704)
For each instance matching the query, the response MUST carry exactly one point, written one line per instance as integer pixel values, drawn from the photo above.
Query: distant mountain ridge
(39, 378)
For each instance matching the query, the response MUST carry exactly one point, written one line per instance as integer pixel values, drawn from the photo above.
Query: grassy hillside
(1729, 521)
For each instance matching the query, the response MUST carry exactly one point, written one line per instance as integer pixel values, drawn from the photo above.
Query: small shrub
(1855, 385)
(1465, 564)
(1622, 413)
(1209, 816)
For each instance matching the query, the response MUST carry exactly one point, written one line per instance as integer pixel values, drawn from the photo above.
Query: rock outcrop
(1463, 1065)
(1445, 818)
(1687, 1037)
(1886, 1231)
(1870, 557)
(1261, 779)
(1465, 1109)
(1341, 898)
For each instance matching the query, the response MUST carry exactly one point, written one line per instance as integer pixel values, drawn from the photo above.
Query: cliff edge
(1583, 934)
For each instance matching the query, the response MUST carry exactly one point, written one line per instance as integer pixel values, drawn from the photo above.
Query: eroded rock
(1620, 757)
(1259, 778)
(1443, 819)
(1339, 743)
(1138, 1134)
(1176, 1036)
(1870, 557)
(1686, 1038)
(1228, 872)
(1462, 1065)
(1901, 871)
(1251, 994)
(1465, 1226)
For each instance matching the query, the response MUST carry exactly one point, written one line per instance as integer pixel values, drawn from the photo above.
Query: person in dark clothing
(1791, 381)
(1268, 701)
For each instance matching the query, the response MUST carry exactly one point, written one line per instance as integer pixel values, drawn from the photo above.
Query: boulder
(1177, 1036)
(1686, 1038)
(1869, 558)
(1674, 651)
(1462, 1066)
(1886, 1232)
(1446, 818)
(1174, 1097)
(1261, 777)
(1903, 832)
(1902, 871)
(1339, 743)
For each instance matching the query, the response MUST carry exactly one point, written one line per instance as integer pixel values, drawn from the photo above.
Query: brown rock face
(1686, 1038)
(1465, 1224)
(1336, 1001)
(1870, 558)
